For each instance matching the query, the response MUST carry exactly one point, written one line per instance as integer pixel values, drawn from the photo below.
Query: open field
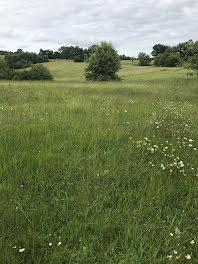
(63, 70)
(99, 173)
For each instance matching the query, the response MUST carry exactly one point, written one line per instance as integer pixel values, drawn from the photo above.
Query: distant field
(67, 70)
(99, 172)
(149, 72)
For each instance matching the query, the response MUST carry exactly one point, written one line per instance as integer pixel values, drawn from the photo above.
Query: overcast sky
(131, 25)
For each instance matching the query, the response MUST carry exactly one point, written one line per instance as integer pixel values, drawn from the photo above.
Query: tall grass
(99, 172)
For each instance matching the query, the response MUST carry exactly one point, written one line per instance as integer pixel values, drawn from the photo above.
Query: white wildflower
(188, 256)
(192, 242)
(163, 167)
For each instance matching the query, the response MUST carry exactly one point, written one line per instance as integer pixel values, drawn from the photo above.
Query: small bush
(20, 75)
(37, 72)
(160, 60)
(192, 63)
(167, 60)
(5, 72)
(78, 59)
(172, 60)
(144, 59)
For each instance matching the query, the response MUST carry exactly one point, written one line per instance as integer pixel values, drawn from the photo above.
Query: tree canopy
(20, 59)
(159, 49)
(183, 53)
(103, 63)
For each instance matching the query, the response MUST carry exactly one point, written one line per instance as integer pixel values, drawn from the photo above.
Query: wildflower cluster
(180, 252)
(164, 156)
(172, 155)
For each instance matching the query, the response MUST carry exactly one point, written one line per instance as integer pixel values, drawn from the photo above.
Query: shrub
(144, 59)
(37, 72)
(167, 60)
(160, 60)
(19, 60)
(78, 59)
(172, 60)
(4, 69)
(192, 63)
(5, 72)
(20, 75)
(103, 63)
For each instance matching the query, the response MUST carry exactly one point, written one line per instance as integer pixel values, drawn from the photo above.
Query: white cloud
(132, 26)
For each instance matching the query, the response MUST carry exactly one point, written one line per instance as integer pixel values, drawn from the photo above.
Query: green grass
(99, 168)
(66, 70)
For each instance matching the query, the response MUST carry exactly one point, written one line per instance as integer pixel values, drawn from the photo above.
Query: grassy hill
(67, 70)
(99, 172)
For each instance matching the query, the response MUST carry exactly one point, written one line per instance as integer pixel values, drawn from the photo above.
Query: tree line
(20, 59)
(184, 54)
(13, 61)
(76, 53)
(103, 60)
(36, 72)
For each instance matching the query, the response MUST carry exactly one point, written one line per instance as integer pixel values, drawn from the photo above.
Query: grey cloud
(132, 26)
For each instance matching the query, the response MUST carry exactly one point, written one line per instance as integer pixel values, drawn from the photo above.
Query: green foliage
(172, 60)
(103, 64)
(124, 57)
(37, 72)
(4, 52)
(186, 49)
(159, 49)
(183, 52)
(67, 52)
(192, 63)
(40, 72)
(20, 59)
(160, 60)
(71, 52)
(133, 59)
(167, 60)
(78, 59)
(144, 59)
(4, 69)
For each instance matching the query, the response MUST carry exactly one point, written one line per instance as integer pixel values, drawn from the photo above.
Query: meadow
(67, 70)
(99, 172)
